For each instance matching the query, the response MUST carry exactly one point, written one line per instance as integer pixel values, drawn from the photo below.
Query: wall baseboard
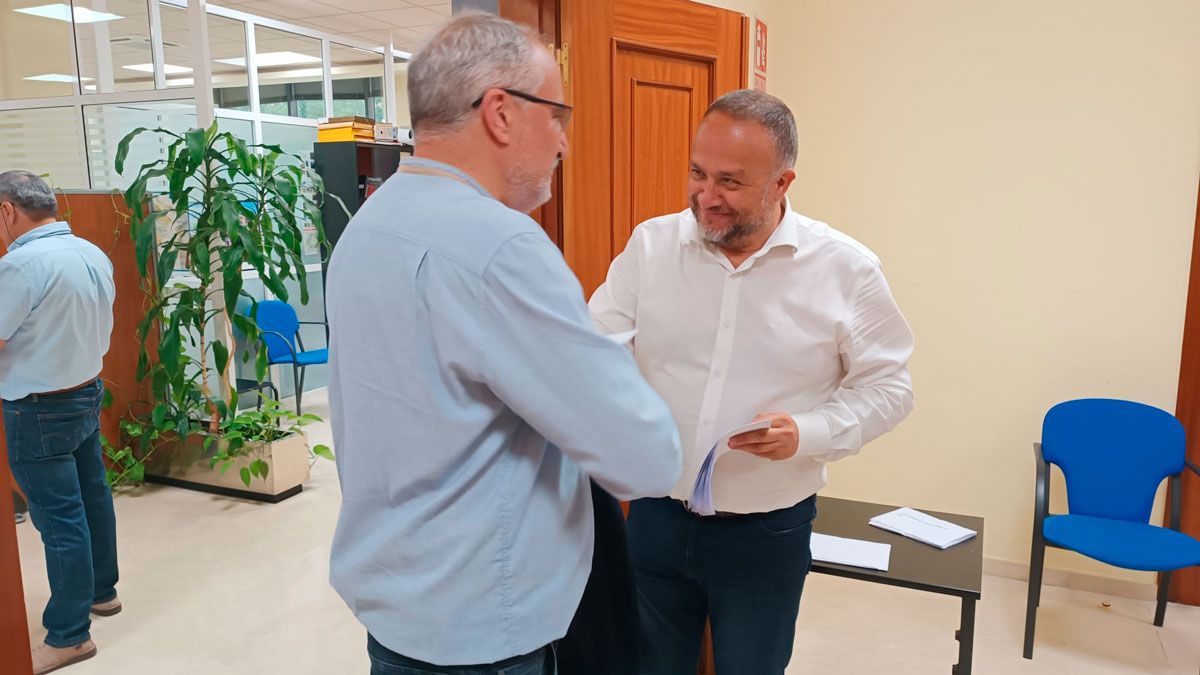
(1077, 581)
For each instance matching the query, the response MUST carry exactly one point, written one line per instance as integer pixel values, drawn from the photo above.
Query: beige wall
(1027, 171)
(402, 118)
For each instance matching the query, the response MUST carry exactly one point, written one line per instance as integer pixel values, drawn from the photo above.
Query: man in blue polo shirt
(56, 298)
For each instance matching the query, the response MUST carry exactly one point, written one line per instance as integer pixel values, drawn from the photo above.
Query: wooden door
(14, 631)
(641, 74)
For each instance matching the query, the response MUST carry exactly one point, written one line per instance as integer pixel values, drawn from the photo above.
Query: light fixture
(54, 77)
(167, 68)
(181, 82)
(62, 12)
(268, 59)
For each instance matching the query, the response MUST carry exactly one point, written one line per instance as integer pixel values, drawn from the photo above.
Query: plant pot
(187, 465)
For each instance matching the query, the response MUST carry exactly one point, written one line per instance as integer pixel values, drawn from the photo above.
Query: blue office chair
(1114, 455)
(280, 329)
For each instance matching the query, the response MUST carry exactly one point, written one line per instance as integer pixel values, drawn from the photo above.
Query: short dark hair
(28, 192)
(769, 112)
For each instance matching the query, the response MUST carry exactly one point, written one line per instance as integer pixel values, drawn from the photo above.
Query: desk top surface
(957, 570)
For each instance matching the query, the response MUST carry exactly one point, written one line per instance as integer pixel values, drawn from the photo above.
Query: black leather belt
(718, 514)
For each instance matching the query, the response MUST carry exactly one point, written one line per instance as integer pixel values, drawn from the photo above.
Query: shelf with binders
(353, 170)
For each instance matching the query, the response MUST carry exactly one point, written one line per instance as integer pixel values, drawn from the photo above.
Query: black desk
(956, 571)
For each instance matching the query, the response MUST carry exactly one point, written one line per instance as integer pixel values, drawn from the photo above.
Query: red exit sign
(760, 46)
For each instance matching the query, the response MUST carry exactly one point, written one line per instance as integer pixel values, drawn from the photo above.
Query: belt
(67, 390)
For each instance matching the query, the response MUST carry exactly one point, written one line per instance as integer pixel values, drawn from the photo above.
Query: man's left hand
(781, 441)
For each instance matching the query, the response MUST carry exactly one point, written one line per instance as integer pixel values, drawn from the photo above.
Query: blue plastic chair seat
(309, 358)
(1134, 546)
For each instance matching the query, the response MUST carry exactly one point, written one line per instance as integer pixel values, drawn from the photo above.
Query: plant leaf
(123, 148)
(220, 355)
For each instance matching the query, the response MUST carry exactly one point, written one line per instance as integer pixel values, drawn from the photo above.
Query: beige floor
(216, 586)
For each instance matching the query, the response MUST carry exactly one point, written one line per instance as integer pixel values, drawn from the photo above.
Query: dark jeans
(54, 454)
(745, 573)
(387, 662)
(602, 639)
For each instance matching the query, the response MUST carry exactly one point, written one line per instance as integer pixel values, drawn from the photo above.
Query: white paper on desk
(702, 501)
(922, 527)
(853, 552)
(622, 338)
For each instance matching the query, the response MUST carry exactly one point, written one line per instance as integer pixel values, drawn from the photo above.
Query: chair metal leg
(1037, 560)
(1164, 589)
(298, 380)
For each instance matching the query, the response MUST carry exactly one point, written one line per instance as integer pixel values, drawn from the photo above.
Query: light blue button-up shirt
(56, 298)
(471, 400)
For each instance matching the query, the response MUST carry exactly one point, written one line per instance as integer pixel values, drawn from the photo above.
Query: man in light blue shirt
(471, 398)
(56, 298)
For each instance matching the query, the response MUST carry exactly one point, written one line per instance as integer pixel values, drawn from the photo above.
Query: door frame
(1185, 584)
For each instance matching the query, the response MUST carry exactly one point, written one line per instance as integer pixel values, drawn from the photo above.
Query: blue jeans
(744, 573)
(387, 662)
(54, 453)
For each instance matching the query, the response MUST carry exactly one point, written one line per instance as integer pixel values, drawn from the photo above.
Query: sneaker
(107, 608)
(48, 659)
(20, 517)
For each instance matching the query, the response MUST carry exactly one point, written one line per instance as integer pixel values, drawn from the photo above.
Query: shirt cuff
(814, 433)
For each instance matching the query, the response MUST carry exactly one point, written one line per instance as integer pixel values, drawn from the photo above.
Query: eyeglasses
(562, 111)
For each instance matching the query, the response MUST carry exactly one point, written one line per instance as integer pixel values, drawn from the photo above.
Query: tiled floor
(216, 586)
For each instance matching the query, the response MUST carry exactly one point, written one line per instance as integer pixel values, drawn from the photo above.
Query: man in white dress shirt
(747, 310)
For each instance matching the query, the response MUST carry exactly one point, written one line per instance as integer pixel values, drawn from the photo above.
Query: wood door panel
(658, 100)
(673, 25)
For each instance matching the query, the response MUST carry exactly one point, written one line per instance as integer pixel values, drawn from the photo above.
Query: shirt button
(725, 325)
(717, 374)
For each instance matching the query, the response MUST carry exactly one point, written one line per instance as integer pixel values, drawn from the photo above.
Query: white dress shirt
(806, 326)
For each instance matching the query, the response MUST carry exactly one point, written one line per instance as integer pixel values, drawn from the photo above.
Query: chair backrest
(278, 316)
(1114, 454)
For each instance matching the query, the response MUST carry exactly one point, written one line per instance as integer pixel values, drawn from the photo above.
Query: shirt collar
(785, 234)
(426, 163)
(49, 230)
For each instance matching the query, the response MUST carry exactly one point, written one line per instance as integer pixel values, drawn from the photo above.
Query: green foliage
(247, 434)
(246, 209)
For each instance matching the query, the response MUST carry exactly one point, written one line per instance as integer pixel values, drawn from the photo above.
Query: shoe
(48, 659)
(20, 517)
(107, 608)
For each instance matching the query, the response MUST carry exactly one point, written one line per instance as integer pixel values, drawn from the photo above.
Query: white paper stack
(853, 552)
(702, 501)
(622, 338)
(923, 527)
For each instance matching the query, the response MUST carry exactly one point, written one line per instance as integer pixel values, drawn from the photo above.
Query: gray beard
(528, 190)
(736, 233)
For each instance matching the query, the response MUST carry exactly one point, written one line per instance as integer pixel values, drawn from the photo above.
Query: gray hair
(29, 193)
(768, 112)
(470, 54)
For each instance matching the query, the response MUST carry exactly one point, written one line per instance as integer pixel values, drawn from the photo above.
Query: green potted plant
(242, 207)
